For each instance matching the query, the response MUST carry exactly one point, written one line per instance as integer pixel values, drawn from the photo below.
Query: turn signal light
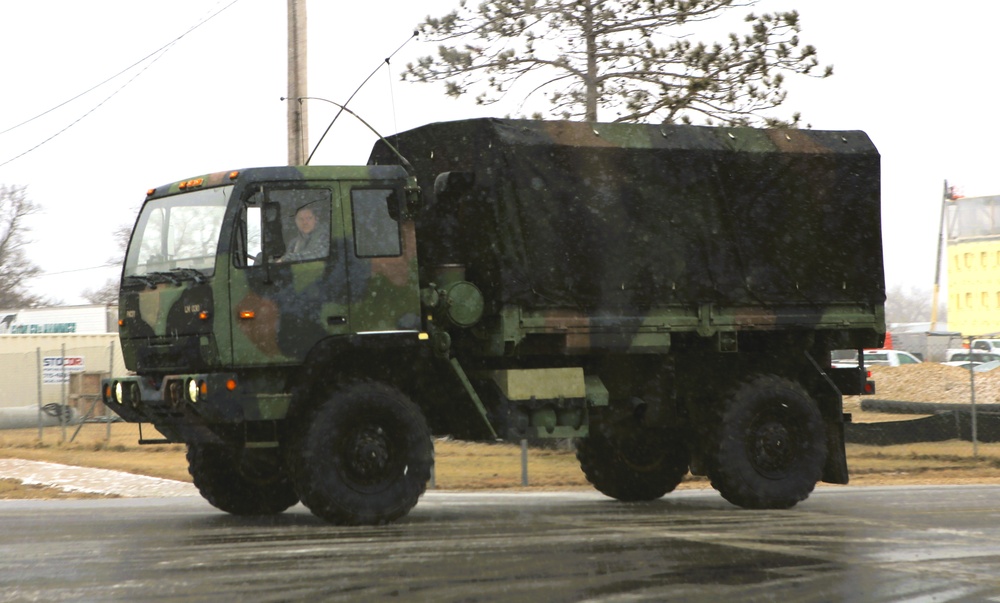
(245, 314)
(203, 315)
(230, 384)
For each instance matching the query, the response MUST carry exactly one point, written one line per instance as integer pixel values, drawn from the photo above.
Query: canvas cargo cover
(622, 217)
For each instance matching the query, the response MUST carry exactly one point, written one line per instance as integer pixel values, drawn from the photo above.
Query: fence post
(107, 411)
(65, 406)
(38, 373)
(972, 405)
(524, 462)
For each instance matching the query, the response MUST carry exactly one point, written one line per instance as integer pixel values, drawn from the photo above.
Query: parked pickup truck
(880, 358)
(985, 345)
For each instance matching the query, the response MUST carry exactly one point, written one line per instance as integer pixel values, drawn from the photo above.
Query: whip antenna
(348, 101)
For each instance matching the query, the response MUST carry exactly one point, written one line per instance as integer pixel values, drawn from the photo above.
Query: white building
(94, 318)
(57, 354)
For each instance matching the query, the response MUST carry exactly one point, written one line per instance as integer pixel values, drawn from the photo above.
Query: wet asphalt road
(843, 544)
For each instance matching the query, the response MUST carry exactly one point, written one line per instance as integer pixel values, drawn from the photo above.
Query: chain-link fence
(925, 416)
(54, 383)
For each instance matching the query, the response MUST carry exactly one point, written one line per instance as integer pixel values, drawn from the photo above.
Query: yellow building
(973, 234)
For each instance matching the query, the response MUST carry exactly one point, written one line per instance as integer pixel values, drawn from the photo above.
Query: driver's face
(305, 221)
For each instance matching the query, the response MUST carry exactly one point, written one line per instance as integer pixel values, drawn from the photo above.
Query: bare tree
(910, 305)
(108, 292)
(633, 58)
(15, 267)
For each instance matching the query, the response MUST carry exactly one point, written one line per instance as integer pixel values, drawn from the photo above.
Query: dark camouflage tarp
(621, 217)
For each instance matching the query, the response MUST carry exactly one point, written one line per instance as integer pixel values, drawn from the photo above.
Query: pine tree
(637, 60)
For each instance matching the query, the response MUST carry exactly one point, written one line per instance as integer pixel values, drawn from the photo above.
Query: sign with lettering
(57, 327)
(56, 369)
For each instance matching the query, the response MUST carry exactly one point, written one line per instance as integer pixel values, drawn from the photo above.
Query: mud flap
(835, 469)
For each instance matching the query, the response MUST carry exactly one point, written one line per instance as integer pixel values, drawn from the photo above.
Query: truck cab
(212, 287)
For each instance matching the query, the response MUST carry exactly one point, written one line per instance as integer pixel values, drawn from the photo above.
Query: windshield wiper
(163, 277)
(175, 277)
(132, 279)
(193, 273)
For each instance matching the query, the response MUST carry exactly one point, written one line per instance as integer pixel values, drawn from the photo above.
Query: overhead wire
(158, 54)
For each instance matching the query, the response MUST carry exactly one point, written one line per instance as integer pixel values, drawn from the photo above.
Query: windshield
(178, 232)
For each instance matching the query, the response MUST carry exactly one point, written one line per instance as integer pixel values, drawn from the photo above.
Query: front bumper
(183, 406)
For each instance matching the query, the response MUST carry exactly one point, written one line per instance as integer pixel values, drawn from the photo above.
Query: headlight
(119, 390)
(192, 390)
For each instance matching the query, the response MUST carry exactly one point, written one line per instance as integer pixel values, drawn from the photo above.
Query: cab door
(381, 259)
(284, 301)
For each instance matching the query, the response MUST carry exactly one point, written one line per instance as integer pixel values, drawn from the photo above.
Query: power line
(79, 119)
(158, 54)
(72, 270)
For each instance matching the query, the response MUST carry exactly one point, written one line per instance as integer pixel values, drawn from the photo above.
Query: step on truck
(665, 296)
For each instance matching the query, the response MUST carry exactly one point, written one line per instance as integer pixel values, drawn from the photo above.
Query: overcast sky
(912, 75)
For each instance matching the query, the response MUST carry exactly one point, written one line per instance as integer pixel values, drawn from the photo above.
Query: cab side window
(376, 228)
(288, 225)
(305, 219)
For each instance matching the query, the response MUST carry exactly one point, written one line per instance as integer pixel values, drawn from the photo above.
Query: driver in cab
(310, 242)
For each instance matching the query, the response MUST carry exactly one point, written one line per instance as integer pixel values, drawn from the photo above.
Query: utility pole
(298, 122)
(937, 265)
(949, 194)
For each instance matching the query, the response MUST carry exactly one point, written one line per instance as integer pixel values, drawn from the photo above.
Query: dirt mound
(932, 382)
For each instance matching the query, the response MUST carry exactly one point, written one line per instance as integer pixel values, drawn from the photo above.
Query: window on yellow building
(968, 260)
(968, 300)
(982, 259)
(984, 300)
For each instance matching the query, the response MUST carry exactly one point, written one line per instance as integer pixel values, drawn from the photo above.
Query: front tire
(365, 457)
(223, 478)
(771, 447)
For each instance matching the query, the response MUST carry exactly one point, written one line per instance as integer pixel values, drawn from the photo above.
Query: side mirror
(274, 238)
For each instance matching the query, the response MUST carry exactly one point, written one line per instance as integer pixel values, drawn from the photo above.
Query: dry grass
(91, 449)
(474, 466)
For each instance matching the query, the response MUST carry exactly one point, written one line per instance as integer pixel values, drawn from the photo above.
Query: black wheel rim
(641, 453)
(771, 444)
(368, 456)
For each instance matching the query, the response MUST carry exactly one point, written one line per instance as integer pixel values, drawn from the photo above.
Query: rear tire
(634, 465)
(222, 479)
(365, 458)
(771, 447)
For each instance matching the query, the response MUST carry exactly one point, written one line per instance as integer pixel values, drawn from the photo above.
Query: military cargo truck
(666, 296)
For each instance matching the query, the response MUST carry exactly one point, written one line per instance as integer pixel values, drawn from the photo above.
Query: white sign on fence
(53, 370)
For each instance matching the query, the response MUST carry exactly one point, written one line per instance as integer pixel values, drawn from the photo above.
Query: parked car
(880, 358)
(977, 357)
(964, 359)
